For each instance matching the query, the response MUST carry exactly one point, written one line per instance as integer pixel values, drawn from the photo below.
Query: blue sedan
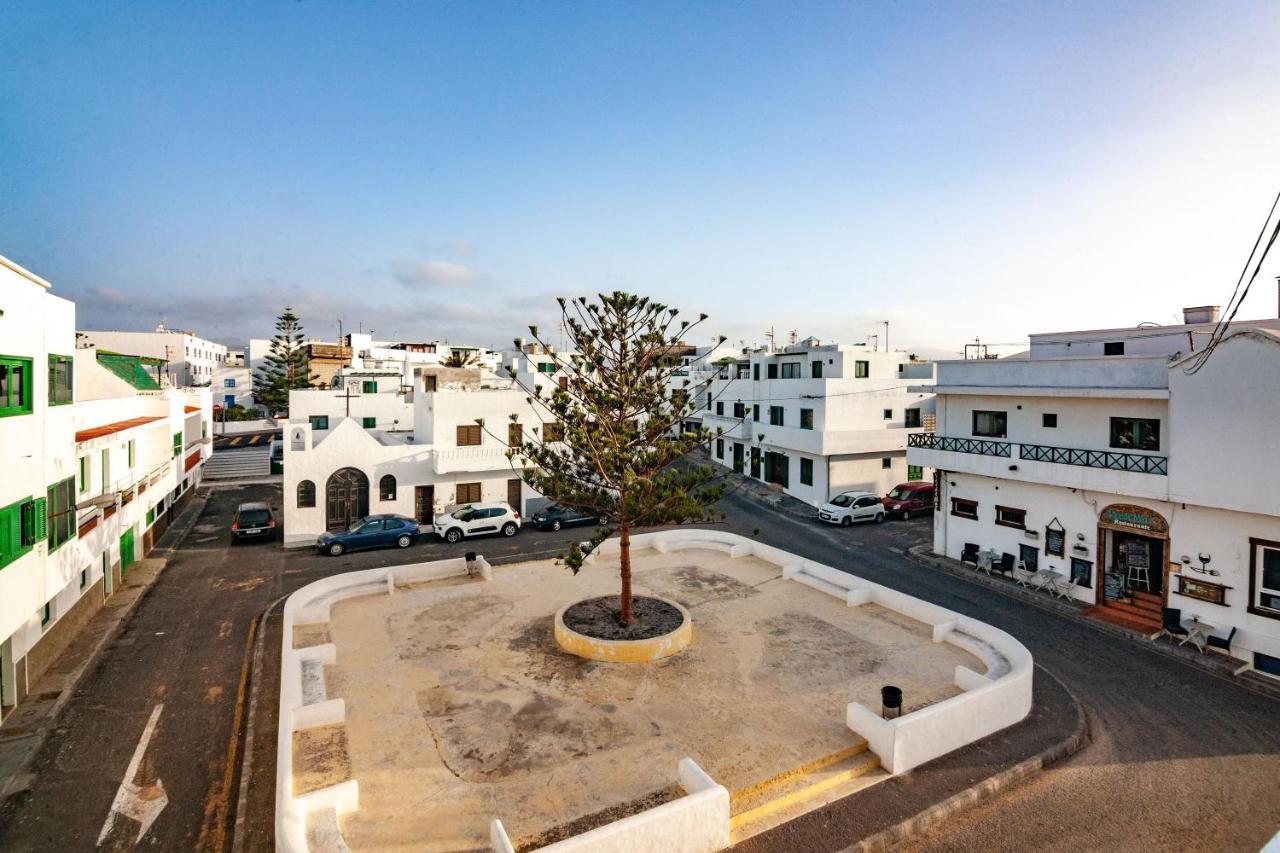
(373, 531)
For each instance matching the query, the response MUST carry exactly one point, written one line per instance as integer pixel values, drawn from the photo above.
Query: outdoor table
(1052, 576)
(986, 559)
(1197, 633)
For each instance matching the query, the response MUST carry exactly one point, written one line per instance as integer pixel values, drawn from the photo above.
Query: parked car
(846, 508)
(252, 520)
(372, 531)
(478, 519)
(555, 516)
(909, 498)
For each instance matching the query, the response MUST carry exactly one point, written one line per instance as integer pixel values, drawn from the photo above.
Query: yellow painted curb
(624, 651)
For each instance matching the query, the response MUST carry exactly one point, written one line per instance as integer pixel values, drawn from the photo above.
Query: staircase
(1139, 613)
(227, 464)
(764, 805)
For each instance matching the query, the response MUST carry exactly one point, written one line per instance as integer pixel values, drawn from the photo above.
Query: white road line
(144, 803)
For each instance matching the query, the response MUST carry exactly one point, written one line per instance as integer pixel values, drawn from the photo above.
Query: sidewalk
(24, 731)
(1218, 664)
(765, 493)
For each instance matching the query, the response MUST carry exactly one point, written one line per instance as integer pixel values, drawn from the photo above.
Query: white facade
(816, 419)
(1122, 452)
(88, 472)
(191, 359)
(232, 385)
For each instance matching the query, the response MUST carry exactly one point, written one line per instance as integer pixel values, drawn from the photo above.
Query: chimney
(1203, 314)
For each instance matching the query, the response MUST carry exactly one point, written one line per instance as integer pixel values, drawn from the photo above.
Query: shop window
(911, 418)
(1010, 517)
(1264, 578)
(861, 369)
(387, 488)
(469, 435)
(990, 424)
(806, 471)
(962, 508)
(306, 494)
(1135, 433)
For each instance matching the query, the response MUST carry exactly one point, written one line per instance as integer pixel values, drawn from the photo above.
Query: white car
(477, 519)
(847, 507)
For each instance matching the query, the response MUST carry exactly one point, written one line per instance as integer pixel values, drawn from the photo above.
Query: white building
(95, 451)
(191, 359)
(817, 419)
(232, 383)
(1100, 455)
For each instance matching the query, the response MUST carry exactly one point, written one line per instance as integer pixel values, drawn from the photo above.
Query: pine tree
(288, 366)
(609, 443)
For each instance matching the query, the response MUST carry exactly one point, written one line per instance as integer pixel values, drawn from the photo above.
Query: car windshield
(254, 516)
(900, 494)
(842, 500)
(357, 525)
(461, 512)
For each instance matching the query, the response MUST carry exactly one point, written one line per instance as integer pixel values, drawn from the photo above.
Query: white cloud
(429, 275)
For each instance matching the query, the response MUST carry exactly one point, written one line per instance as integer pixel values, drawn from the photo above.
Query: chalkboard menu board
(1081, 572)
(1055, 542)
(1113, 585)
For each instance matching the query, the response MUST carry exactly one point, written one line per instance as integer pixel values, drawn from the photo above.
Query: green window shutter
(151, 516)
(369, 387)
(10, 533)
(42, 519)
(369, 423)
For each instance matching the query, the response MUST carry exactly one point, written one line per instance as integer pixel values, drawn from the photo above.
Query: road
(1180, 759)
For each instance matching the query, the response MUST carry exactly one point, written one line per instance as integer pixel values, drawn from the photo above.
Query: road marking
(235, 440)
(142, 803)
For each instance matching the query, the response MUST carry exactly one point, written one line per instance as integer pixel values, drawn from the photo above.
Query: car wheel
(879, 518)
(846, 521)
(555, 525)
(906, 515)
(453, 535)
(405, 541)
(336, 549)
(509, 529)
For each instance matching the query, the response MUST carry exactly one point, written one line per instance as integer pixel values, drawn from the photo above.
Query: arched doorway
(346, 497)
(1133, 551)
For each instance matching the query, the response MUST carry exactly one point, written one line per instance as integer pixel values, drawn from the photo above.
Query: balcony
(1110, 460)
(468, 459)
(980, 446)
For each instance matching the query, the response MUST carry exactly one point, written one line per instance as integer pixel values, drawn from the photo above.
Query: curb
(936, 814)
(922, 555)
(246, 758)
(77, 675)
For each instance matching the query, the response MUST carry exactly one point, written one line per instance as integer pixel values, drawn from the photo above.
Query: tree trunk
(624, 561)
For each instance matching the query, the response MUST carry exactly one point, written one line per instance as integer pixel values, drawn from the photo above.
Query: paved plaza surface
(1180, 758)
(462, 708)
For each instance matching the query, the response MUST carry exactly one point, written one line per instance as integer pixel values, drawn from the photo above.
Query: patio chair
(1171, 624)
(970, 553)
(1006, 564)
(1222, 644)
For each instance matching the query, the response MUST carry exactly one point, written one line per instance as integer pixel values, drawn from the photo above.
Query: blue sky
(444, 170)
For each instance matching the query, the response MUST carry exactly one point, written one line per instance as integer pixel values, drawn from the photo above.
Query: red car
(909, 498)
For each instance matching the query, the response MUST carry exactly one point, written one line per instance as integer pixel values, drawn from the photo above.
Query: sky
(445, 170)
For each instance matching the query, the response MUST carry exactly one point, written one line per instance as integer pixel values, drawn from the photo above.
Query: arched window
(387, 488)
(306, 494)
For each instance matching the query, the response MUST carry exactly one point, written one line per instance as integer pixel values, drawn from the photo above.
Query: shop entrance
(1133, 544)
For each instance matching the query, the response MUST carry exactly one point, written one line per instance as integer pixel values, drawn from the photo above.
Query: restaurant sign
(1130, 517)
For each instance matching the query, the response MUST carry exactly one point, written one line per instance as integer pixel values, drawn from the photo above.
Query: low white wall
(235, 427)
(698, 822)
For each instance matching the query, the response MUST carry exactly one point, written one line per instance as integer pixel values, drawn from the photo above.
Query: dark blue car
(372, 531)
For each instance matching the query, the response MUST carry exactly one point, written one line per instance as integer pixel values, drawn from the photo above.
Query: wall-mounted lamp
(1204, 569)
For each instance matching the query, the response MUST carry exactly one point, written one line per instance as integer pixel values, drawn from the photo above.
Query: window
(755, 372)
(739, 410)
(708, 406)
(20, 528)
(129, 451)
(806, 471)
(886, 462)
(106, 465)
(317, 422)
(990, 424)
(962, 508)
(553, 432)
(888, 414)
(755, 412)
(911, 418)
(914, 473)
(791, 370)
(60, 380)
(369, 386)
(368, 423)
(515, 435)
(228, 383)
(83, 484)
(741, 372)
(467, 493)
(817, 369)
(806, 419)
(387, 488)
(469, 435)
(84, 578)
(861, 369)
(772, 371)
(306, 494)
(1264, 578)
(563, 383)
(719, 408)
(719, 448)
(1049, 420)
(545, 367)
(775, 416)
(1113, 348)
(61, 509)
(1135, 433)
(15, 386)
(429, 382)
(1010, 517)
(46, 613)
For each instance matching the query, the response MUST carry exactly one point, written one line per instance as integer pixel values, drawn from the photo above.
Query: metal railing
(980, 446)
(1110, 460)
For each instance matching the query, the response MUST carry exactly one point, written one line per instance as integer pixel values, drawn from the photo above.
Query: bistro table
(986, 559)
(1051, 583)
(1197, 632)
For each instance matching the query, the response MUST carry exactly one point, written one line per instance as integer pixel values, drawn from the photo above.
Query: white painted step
(230, 464)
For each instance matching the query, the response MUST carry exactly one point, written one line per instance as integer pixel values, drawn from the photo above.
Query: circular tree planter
(590, 629)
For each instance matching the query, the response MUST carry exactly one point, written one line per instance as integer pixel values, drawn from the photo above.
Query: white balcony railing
(471, 459)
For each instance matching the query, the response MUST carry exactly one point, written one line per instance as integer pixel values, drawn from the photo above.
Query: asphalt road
(1181, 759)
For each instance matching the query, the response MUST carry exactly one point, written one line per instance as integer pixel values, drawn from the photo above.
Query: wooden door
(514, 492)
(424, 501)
(346, 497)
